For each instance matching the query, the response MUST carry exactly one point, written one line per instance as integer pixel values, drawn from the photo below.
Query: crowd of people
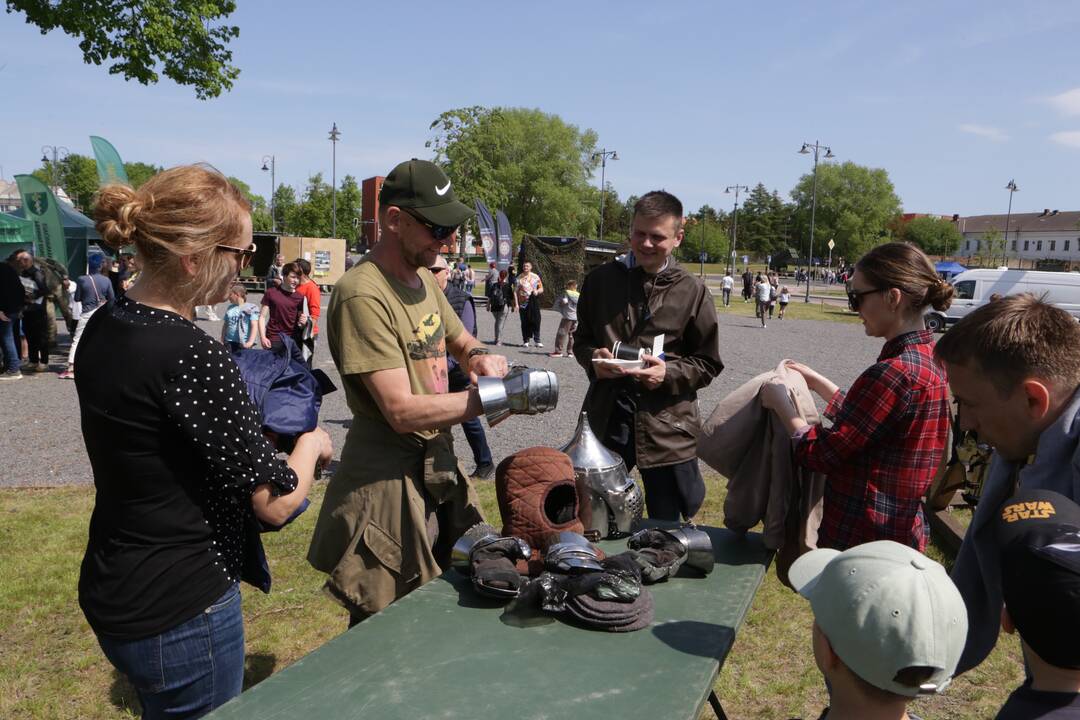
(161, 573)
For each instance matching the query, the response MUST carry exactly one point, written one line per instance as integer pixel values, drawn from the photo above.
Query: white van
(974, 288)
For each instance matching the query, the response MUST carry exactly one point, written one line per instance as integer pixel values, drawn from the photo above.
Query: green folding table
(444, 652)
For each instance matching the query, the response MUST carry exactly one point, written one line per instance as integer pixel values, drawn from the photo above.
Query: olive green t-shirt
(374, 322)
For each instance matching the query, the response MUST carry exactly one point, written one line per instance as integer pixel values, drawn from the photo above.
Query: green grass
(51, 666)
(796, 310)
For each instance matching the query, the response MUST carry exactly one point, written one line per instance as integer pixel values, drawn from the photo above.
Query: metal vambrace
(523, 391)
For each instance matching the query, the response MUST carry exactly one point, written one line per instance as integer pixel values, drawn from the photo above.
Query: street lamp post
(805, 150)
(734, 224)
(1011, 187)
(273, 187)
(334, 135)
(604, 154)
(58, 153)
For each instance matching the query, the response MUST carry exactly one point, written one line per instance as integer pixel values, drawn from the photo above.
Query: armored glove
(661, 553)
(490, 560)
(523, 391)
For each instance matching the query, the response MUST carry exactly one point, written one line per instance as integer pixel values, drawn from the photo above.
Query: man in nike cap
(397, 502)
(889, 625)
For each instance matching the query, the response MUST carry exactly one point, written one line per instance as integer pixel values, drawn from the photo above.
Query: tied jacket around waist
(620, 303)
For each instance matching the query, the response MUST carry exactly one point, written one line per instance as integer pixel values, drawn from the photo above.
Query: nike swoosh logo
(442, 190)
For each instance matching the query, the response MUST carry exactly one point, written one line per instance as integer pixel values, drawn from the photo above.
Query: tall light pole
(805, 150)
(58, 153)
(1011, 187)
(273, 187)
(604, 154)
(735, 224)
(334, 135)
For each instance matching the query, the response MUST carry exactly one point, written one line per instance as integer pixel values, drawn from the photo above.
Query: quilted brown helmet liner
(538, 495)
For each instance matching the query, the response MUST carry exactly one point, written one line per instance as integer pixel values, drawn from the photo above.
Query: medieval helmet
(615, 501)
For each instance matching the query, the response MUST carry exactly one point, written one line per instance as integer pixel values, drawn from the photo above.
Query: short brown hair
(184, 211)
(289, 268)
(659, 203)
(304, 265)
(1016, 337)
(905, 267)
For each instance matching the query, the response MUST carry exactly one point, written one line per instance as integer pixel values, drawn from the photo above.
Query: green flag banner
(110, 168)
(40, 208)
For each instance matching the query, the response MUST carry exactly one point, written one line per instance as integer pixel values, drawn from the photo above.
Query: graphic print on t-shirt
(427, 350)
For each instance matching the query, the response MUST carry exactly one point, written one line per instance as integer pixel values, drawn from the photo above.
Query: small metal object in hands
(523, 391)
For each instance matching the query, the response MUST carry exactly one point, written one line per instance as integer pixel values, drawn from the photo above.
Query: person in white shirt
(727, 284)
(763, 291)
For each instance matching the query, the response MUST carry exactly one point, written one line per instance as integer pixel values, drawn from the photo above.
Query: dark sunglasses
(436, 270)
(246, 254)
(439, 232)
(854, 298)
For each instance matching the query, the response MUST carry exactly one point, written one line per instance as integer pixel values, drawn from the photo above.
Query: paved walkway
(41, 442)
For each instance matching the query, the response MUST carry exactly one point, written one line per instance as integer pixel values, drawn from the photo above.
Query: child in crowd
(1038, 532)
(564, 337)
(889, 625)
(239, 331)
(785, 298)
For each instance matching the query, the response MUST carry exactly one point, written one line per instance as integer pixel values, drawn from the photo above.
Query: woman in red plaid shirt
(889, 431)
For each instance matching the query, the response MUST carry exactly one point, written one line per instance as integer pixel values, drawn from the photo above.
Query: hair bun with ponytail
(116, 214)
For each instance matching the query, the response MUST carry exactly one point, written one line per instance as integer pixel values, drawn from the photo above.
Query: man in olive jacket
(649, 415)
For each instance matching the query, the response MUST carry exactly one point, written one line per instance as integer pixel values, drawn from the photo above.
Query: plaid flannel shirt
(886, 441)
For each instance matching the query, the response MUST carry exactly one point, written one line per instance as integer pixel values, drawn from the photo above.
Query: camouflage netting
(556, 260)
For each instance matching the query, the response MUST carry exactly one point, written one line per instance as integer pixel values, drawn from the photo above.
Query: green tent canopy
(15, 230)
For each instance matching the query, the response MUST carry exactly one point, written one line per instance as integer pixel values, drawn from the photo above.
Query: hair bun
(117, 212)
(940, 295)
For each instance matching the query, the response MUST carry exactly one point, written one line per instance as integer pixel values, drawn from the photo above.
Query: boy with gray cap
(1038, 534)
(889, 625)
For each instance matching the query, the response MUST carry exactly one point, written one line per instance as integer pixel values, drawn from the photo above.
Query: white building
(9, 196)
(1052, 237)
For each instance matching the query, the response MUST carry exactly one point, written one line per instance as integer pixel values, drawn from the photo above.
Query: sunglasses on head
(439, 232)
(854, 297)
(246, 254)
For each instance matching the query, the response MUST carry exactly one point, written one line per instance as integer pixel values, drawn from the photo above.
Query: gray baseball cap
(885, 607)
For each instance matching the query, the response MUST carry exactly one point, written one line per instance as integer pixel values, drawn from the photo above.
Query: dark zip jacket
(626, 304)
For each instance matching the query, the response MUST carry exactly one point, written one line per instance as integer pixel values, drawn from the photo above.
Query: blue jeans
(7, 345)
(188, 670)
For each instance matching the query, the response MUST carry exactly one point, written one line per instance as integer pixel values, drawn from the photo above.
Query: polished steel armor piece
(698, 545)
(572, 553)
(523, 391)
(615, 501)
(460, 554)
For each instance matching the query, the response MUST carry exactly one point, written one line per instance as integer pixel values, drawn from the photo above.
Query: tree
(763, 222)
(936, 236)
(708, 230)
(312, 216)
(993, 244)
(181, 37)
(260, 214)
(284, 206)
(532, 165)
(76, 174)
(854, 207)
(140, 172)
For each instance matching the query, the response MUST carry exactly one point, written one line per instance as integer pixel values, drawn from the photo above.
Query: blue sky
(952, 99)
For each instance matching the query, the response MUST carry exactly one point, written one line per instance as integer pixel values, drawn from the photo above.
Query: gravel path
(41, 443)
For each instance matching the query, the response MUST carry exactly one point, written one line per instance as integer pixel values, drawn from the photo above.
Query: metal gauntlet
(523, 391)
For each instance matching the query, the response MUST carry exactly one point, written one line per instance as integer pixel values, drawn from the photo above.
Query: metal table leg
(717, 708)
